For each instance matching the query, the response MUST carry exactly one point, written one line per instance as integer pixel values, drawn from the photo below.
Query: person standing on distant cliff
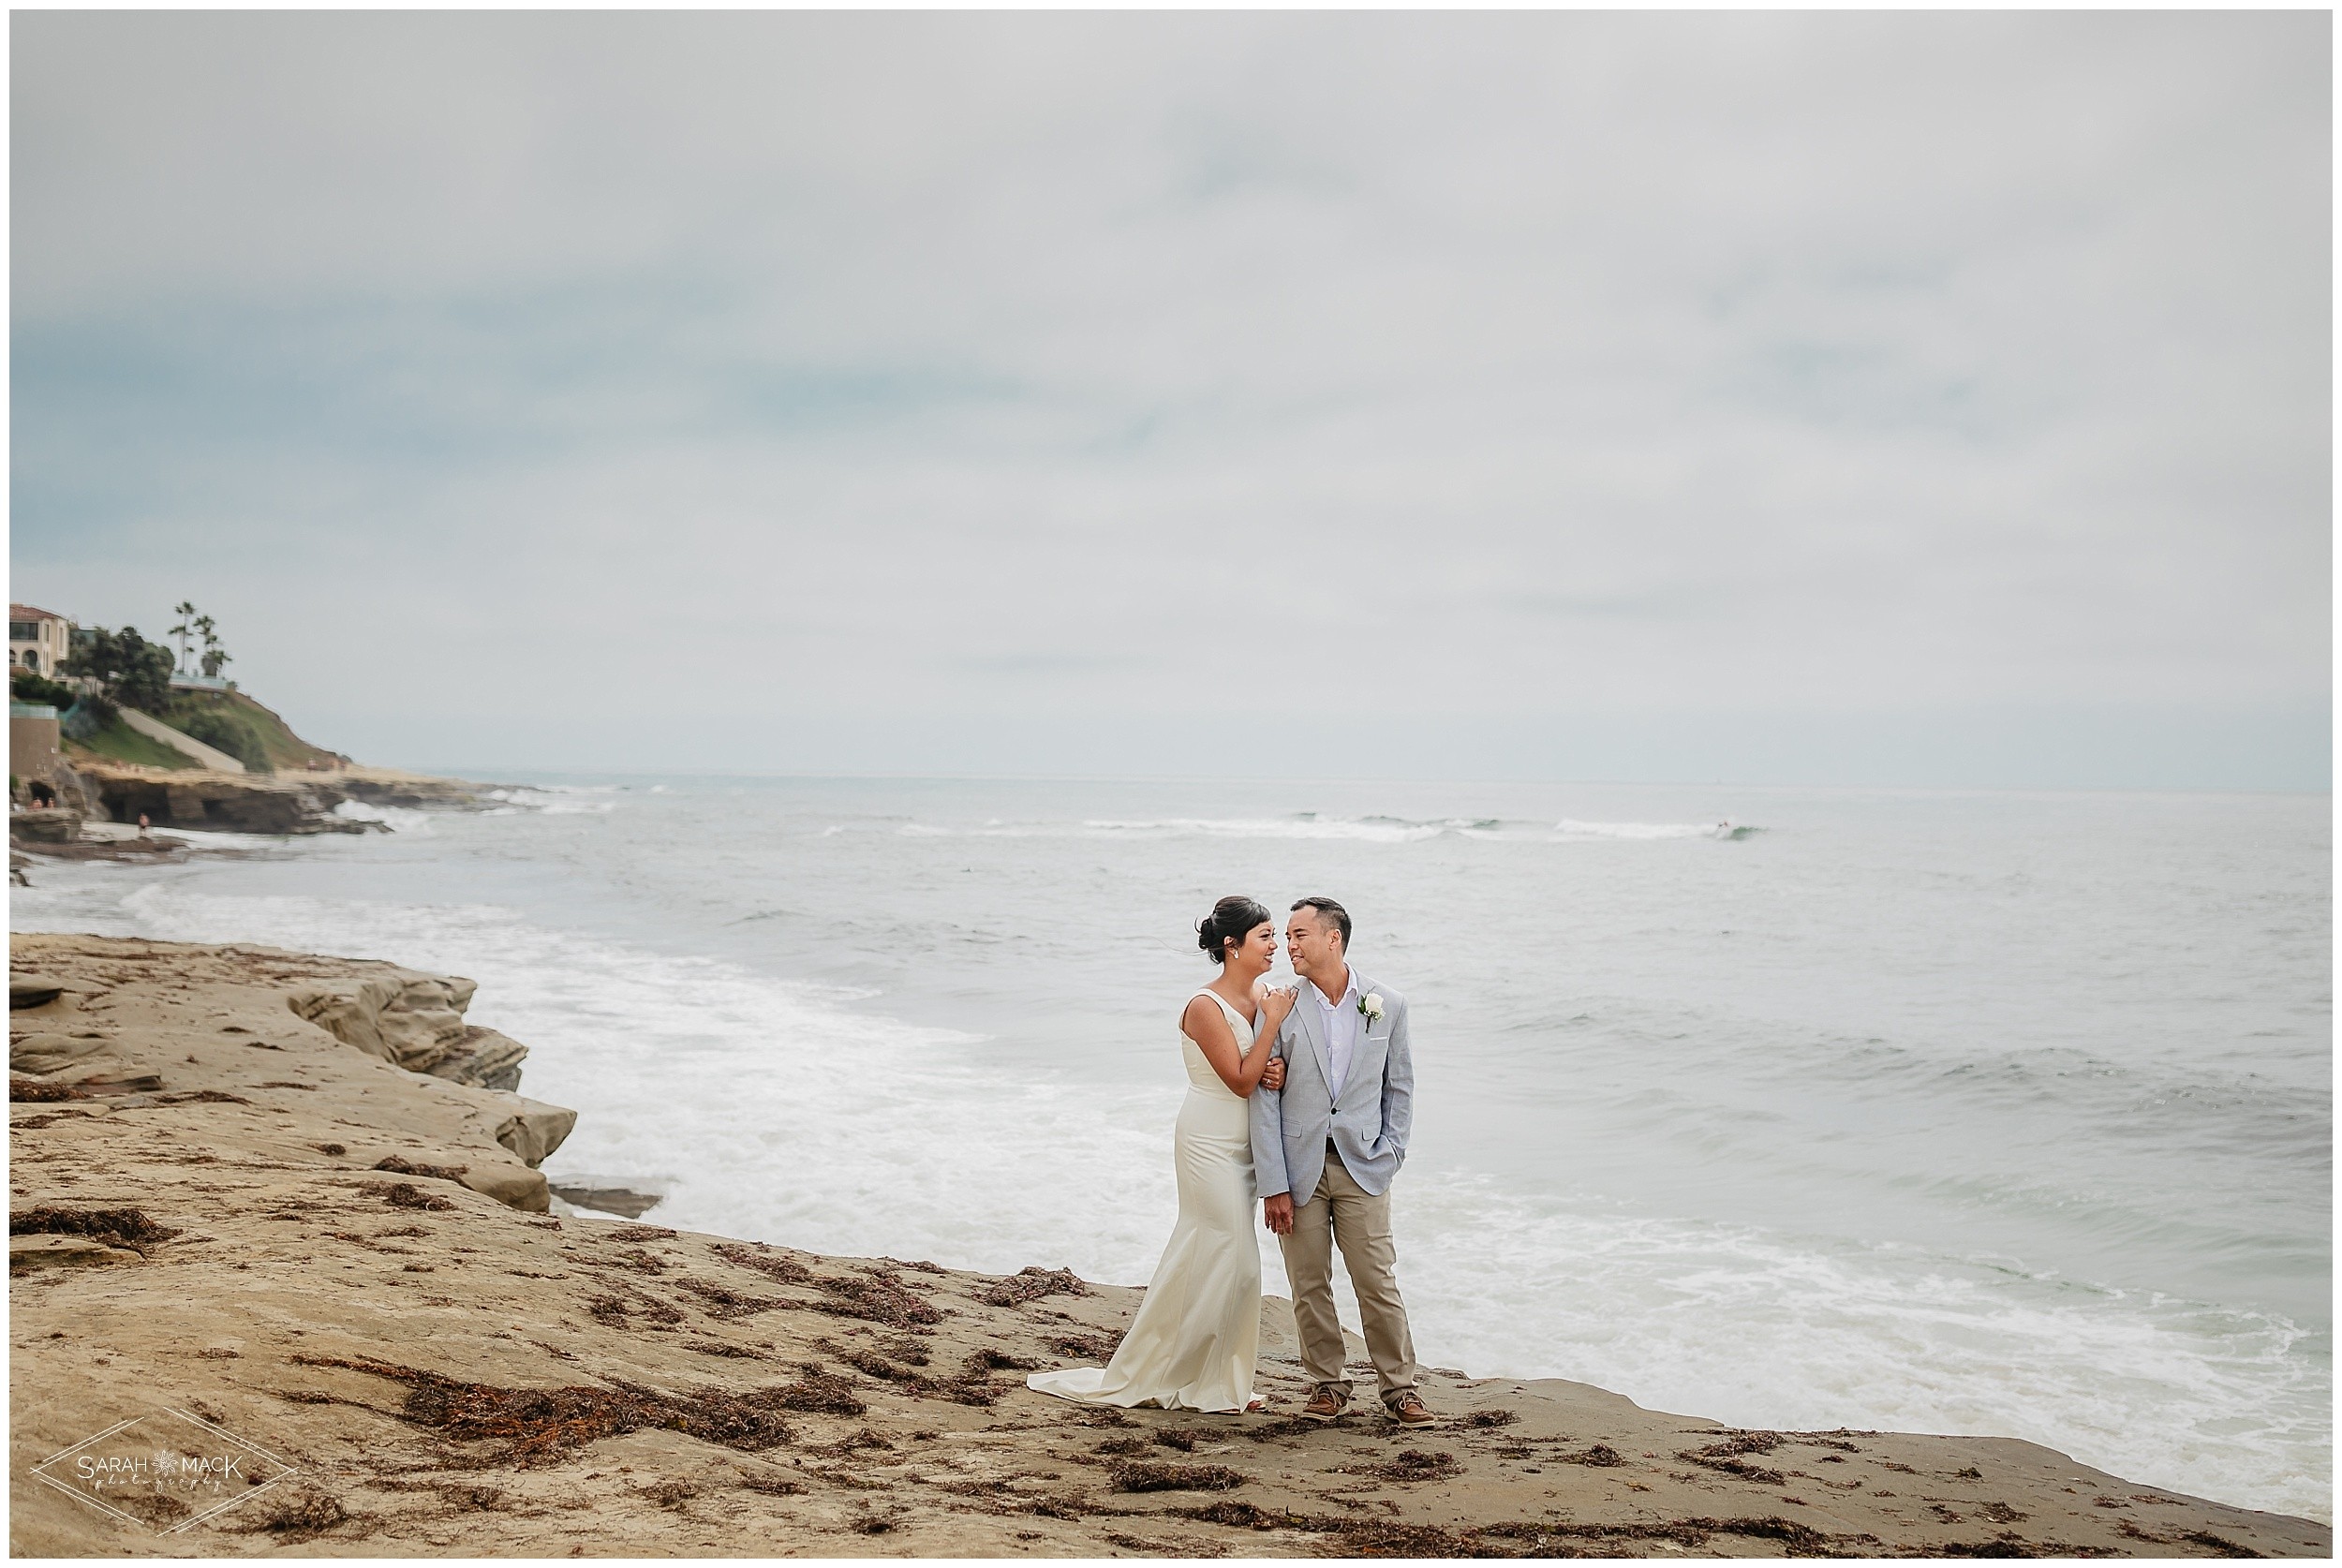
(142, 833)
(1324, 1149)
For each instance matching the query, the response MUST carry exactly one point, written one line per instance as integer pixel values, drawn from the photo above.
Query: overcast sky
(1825, 398)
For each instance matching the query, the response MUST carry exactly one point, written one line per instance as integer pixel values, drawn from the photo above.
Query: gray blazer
(1369, 1125)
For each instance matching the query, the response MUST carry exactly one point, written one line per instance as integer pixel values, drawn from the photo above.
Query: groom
(1323, 1151)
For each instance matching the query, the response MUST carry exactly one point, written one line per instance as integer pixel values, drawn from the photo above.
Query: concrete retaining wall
(203, 756)
(32, 740)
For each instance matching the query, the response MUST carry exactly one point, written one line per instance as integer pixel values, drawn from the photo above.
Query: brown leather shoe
(1325, 1403)
(1408, 1410)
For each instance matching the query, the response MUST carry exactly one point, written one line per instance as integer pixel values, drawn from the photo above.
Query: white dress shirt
(1341, 1020)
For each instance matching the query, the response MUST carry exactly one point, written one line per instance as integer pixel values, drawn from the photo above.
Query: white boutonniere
(1372, 1005)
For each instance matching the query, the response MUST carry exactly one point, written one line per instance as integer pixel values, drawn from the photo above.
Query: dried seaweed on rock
(1725, 1456)
(877, 1521)
(1390, 1538)
(2009, 1544)
(876, 1298)
(870, 1362)
(818, 1392)
(402, 1195)
(1356, 1537)
(1087, 1347)
(1031, 1283)
(789, 1271)
(852, 1442)
(398, 1166)
(536, 1426)
(458, 1496)
(618, 1311)
(1349, 1537)
(1601, 1455)
(726, 1303)
(294, 1520)
(1412, 1464)
(2217, 1544)
(967, 1389)
(158, 1510)
(126, 1228)
(1235, 1516)
(1155, 1475)
(1186, 1546)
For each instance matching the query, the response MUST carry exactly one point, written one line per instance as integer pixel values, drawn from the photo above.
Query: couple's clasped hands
(1276, 1003)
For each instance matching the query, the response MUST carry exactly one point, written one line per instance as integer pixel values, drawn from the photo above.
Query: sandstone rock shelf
(280, 803)
(296, 1251)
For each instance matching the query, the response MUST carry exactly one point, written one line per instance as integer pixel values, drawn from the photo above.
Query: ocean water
(1983, 1112)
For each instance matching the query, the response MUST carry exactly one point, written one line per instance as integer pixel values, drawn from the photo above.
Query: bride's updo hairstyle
(1231, 919)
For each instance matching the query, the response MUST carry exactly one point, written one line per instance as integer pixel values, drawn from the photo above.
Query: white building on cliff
(38, 639)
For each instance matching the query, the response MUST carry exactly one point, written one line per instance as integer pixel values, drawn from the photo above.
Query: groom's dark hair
(1327, 909)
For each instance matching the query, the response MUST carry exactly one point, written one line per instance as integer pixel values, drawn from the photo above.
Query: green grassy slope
(117, 741)
(234, 723)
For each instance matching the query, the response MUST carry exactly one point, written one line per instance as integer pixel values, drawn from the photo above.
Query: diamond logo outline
(285, 1469)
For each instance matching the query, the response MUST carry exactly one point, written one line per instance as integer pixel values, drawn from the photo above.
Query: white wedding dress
(1194, 1341)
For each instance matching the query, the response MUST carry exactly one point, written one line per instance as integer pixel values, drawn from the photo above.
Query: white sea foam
(1306, 826)
(555, 800)
(398, 819)
(1567, 829)
(1380, 830)
(206, 838)
(1763, 1329)
(777, 1111)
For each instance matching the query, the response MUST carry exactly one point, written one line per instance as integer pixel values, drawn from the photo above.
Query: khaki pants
(1340, 1211)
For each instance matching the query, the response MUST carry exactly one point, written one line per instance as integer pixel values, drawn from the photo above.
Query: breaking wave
(1310, 826)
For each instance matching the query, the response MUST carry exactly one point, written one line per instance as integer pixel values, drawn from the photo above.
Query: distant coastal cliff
(208, 756)
(301, 803)
(264, 1208)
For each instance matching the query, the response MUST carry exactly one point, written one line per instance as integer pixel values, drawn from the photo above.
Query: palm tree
(185, 610)
(214, 656)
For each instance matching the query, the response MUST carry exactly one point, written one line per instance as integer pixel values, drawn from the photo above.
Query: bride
(1193, 1344)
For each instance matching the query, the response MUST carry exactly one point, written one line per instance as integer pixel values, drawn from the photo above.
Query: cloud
(837, 370)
